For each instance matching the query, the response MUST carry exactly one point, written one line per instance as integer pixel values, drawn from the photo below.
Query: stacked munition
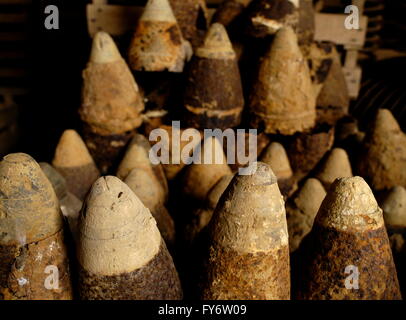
(111, 102)
(151, 198)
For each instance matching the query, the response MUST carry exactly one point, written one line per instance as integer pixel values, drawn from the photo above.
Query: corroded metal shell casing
(199, 178)
(33, 256)
(301, 209)
(213, 95)
(121, 253)
(73, 160)
(267, 17)
(138, 156)
(282, 100)
(275, 156)
(157, 44)
(144, 183)
(333, 101)
(335, 165)
(111, 103)
(383, 156)
(347, 254)
(248, 255)
(307, 149)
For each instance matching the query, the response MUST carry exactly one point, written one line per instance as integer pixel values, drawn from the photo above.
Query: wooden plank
(115, 20)
(12, 54)
(13, 18)
(13, 36)
(13, 72)
(330, 27)
(13, 2)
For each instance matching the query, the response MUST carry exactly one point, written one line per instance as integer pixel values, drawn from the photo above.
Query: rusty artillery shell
(307, 149)
(249, 251)
(33, 256)
(70, 205)
(301, 210)
(267, 17)
(192, 17)
(121, 253)
(199, 178)
(336, 165)
(137, 156)
(383, 156)
(111, 102)
(347, 254)
(333, 101)
(157, 44)
(213, 95)
(229, 10)
(144, 183)
(282, 100)
(202, 216)
(275, 156)
(73, 160)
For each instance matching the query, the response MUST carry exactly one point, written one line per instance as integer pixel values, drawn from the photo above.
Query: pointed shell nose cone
(158, 10)
(116, 225)
(216, 44)
(104, 50)
(350, 205)
(29, 208)
(71, 151)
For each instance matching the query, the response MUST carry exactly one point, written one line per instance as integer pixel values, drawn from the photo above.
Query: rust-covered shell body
(248, 256)
(383, 156)
(347, 254)
(213, 95)
(32, 248)
(121, 253)
(157, 43)
(282, 100)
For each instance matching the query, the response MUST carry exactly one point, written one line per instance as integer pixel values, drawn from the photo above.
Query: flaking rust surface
(111, 101)
(328, 254)
(157, 280)
(157, 46)
(213, 94)
(259, 276)
(22, 270)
